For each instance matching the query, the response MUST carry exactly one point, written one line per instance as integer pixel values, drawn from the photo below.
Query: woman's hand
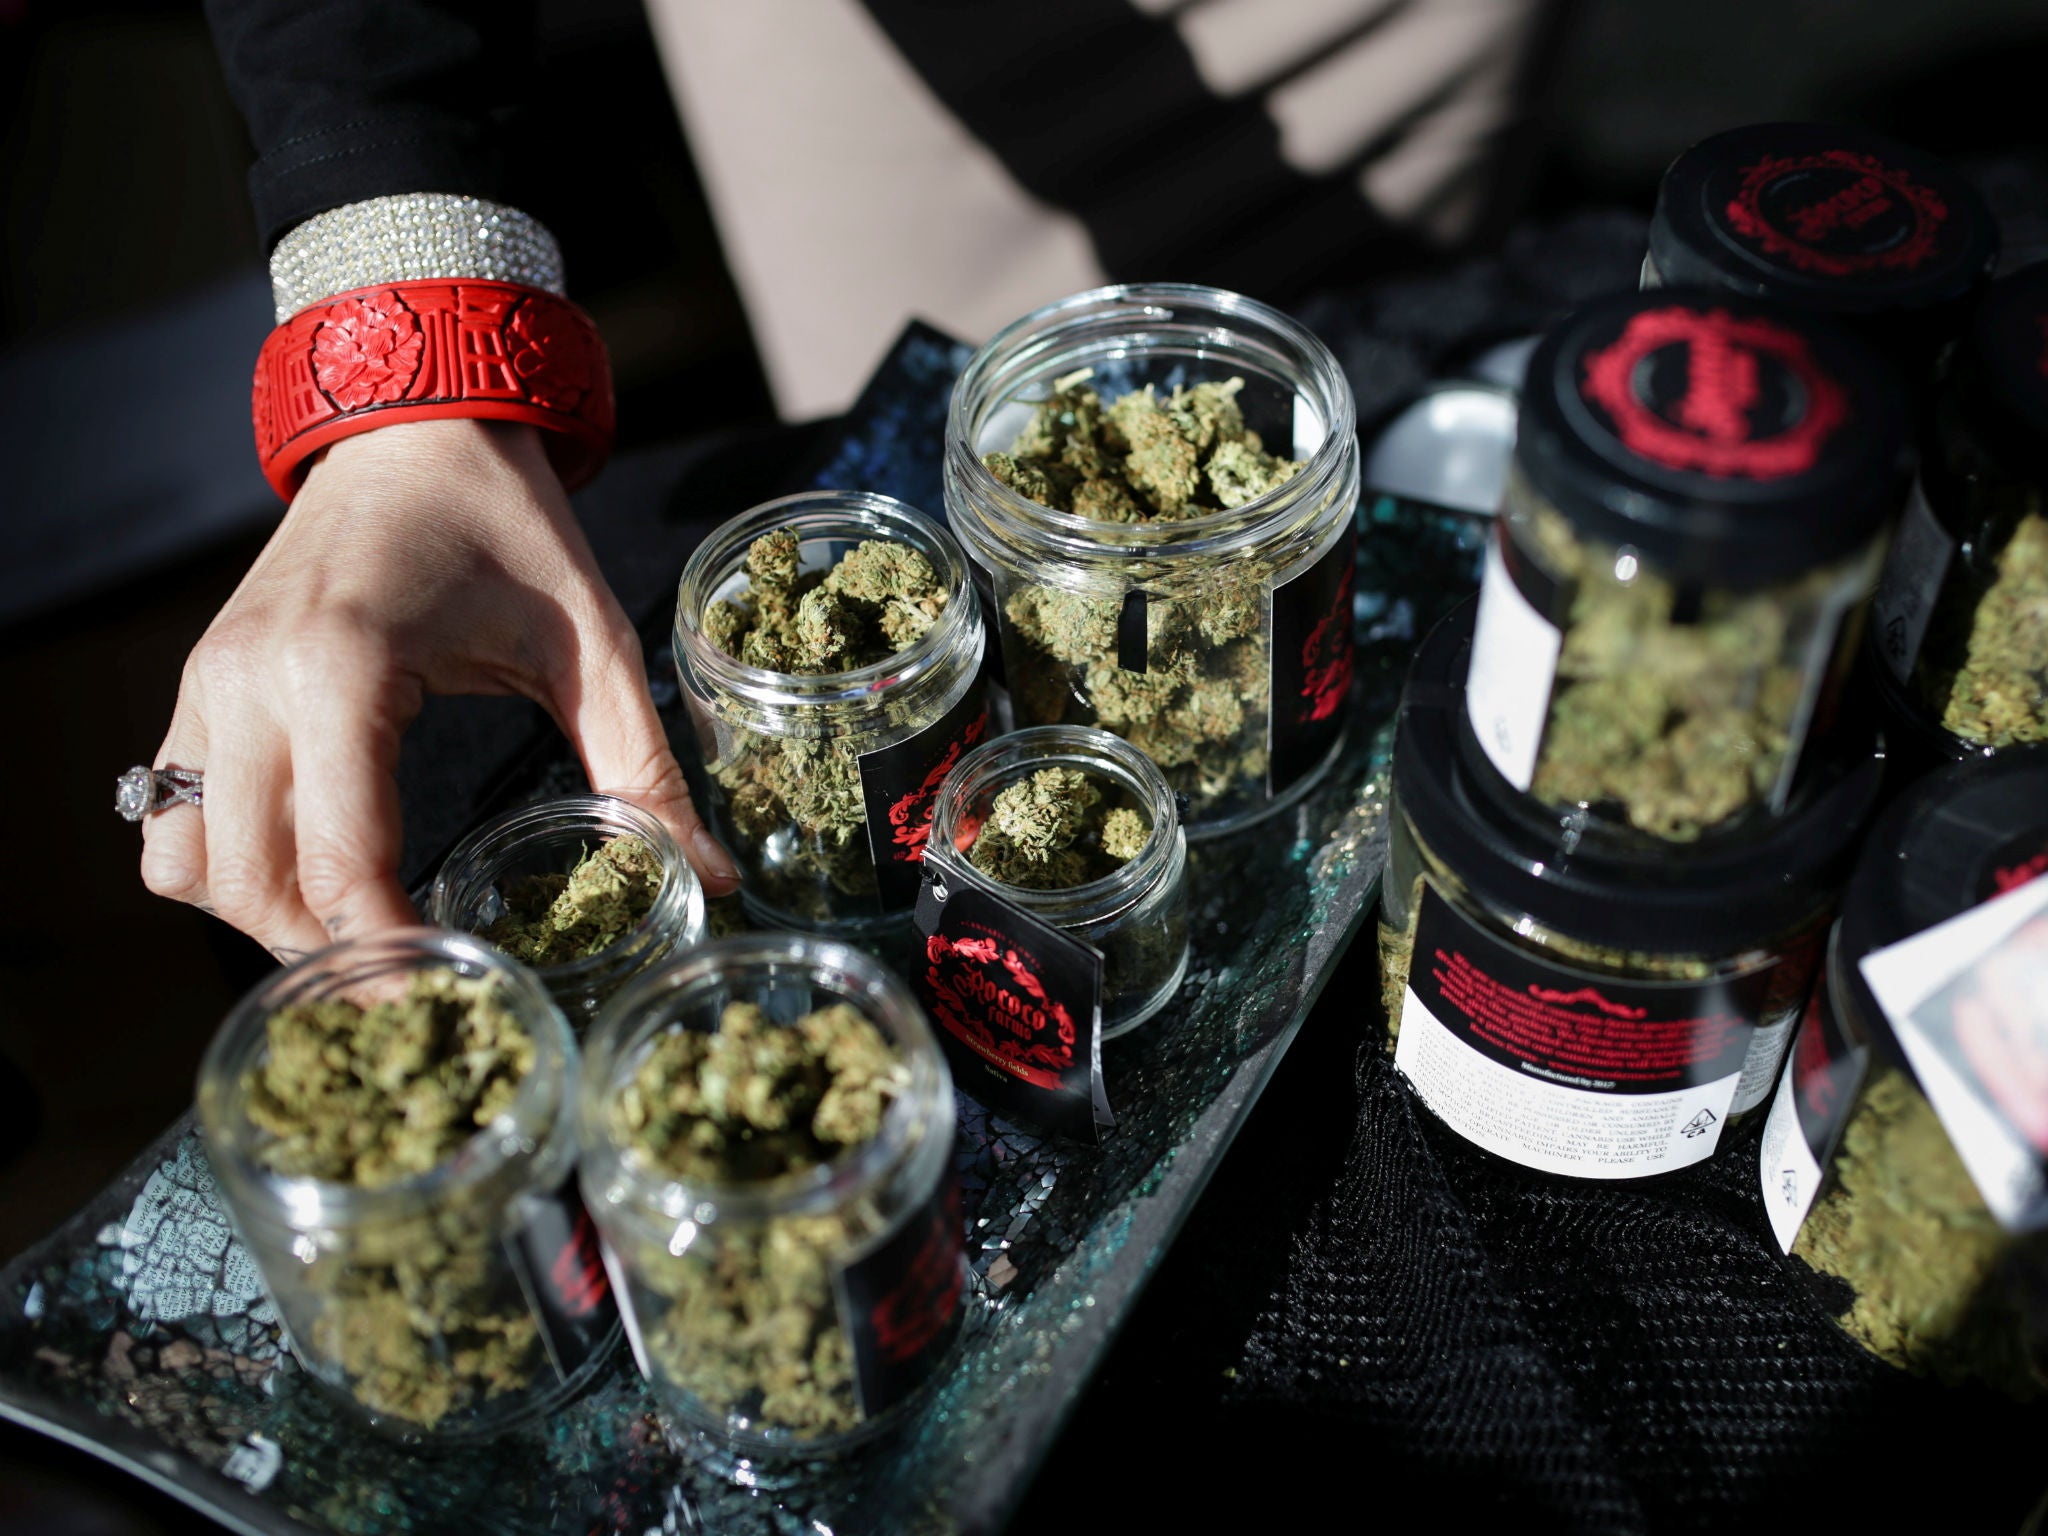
(424, 557)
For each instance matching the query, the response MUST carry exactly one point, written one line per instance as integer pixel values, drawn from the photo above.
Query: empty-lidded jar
(1907, 1150)
(1198, 607)
(767, 1128)
(822, 781)
(1959, 626)
(1700, 498)
(430, 1261)
(1578, 1010)
(590, 888)
(1886, 238)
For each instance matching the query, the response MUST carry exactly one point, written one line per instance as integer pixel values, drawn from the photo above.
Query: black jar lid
(1821, 217)
(2002, 366)
(1697, 900)
(1730, 442)
(1955, 839)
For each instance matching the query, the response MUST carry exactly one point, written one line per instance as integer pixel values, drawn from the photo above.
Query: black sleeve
(351, 99)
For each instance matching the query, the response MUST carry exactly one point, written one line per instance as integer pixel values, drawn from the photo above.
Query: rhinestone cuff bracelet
(413, 236)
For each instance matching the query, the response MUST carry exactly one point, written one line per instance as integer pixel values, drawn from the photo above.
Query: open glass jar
(822, 784)
(552, 838)
(1960, 622)
(1887, 238)
(792, 1315)
(1700, 497)
(1136, 915)
(1219, 644)
(450, 1303)
(1580, 1011)
(1906, 1153)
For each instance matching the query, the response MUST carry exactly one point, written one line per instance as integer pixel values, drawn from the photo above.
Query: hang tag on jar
(1311, 661)
(1019, 1008)
(902, 1302)
(1133, 645)
(561, 1268)
(1968, 1000)
(900, 784)
(1815, 1097)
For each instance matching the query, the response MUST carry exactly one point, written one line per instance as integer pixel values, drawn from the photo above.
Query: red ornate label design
(910, 815)
(426, 350)
(899, 785)
(1326, 660)
(902, 1302)
(578, 1275)
(988, 995)
(1312, 661)
(1837, 213)
(1716, 393)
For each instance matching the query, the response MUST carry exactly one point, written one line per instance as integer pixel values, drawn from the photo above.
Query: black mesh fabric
(1606, 1358)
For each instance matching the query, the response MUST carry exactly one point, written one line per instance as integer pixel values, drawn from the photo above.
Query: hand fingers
(604, 706)
(174, 841)
(345, 726)
(249, 872)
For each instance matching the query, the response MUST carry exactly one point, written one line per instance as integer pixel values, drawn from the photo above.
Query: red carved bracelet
(425, 351)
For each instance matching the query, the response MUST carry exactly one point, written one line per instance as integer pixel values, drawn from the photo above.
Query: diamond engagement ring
(140, 791)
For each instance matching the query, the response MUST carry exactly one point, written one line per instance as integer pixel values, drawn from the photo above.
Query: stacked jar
(1157, 485)
(1907, 1150)
(822, 775)
(1887, 239)
(1621, 821)
(1959, 633)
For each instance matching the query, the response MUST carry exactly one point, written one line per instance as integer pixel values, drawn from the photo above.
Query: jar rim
(849, 973)
(1004, 760)
(815, 515)
(489, 845)
(539, 1110)
(1026, 348)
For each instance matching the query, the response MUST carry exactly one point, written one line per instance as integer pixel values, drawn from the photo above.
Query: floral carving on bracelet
(550, 354)
(367, 350)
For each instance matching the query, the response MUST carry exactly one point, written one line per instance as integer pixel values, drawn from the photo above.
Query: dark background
(132, 295)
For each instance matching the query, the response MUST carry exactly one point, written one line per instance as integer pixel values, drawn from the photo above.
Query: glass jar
(1220, 644)
(1700, 497)
(1960, 622)
(1137, 915)
(1888, 239)
(1578, 1011)
(450, 1304)
(821, 785)
(857, 1261)
(1897, 1156)
(551, 837)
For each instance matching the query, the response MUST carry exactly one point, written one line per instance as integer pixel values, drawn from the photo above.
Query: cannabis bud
(421, 1313)
(1197, 704)
(1051, 832)
(754, 1326)
(1999, 696)
(554, 919)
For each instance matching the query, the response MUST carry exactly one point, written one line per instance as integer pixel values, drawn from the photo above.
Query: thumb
(605, 709)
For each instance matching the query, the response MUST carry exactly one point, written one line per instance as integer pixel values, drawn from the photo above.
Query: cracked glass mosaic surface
(139, 1330)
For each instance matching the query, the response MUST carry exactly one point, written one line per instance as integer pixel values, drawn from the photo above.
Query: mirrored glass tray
(138, 1331)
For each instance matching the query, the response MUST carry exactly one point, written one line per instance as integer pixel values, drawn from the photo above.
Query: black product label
(1312, 661)
(902, 1302)
(1836, 213)
(2019, 859)
(991, 620)
(561, 1269)
(1564, 1069)
(1133, 648)
(1019, 1007)
(899, 786)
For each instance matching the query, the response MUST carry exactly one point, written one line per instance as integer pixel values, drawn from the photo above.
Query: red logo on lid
(1837, 213)
(1709, 424)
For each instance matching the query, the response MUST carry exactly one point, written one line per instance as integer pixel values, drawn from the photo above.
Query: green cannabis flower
(1999, 696)
(793, 804)
(1940, 1288)
(555, 919)
(754, 1327)
(1052, 832)
(1680, 724)
(422, 1314)
(1198, 707)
